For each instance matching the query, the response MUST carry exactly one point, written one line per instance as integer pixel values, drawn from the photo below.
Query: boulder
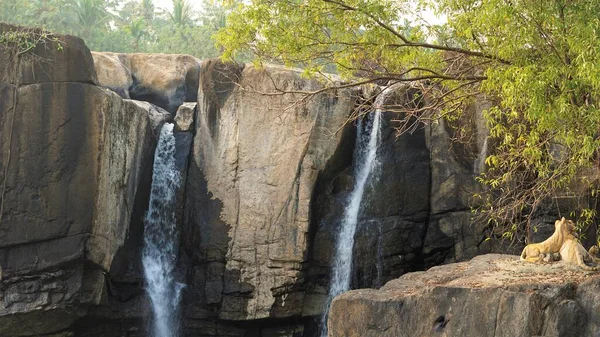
(184, 118)
(72, 156)
(491, 295)
(112, 73)
(166, 80)
(255, 162)
(55, 58)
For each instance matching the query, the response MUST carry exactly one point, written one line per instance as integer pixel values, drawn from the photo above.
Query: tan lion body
(536, 252)
(573, 252)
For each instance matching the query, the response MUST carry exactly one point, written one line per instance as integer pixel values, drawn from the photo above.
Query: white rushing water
(160, 239)
(365, 155)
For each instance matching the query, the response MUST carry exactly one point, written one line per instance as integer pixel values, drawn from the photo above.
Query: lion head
(565, 227)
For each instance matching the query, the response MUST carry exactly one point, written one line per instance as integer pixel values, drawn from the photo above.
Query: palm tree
(137, 29)
(43, 12)
(147, 10)
(182, 13)
(88, 15)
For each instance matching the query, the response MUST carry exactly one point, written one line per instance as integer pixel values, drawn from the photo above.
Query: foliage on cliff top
(23, 41)
(539, 60)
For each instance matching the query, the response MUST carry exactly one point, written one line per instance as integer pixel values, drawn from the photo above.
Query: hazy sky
(168, 4)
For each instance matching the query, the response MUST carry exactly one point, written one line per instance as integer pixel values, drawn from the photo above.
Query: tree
(125, 26)
(147, 9)
(537, 60)
(88, 15)
(137, 30)
(182, 13)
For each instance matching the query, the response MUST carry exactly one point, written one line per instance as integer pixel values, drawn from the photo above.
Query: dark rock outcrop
(452, 235)
(72, 157)
(55, 58)
(394, 214)
(491, 295)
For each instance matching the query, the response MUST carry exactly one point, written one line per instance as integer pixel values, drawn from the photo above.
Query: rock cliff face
(491, 295)
(73, 161)
(451, 235)
(256, 160)
(264, 188)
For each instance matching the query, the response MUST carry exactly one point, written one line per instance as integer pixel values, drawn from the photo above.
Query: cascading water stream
(365, 154)
(161, 240)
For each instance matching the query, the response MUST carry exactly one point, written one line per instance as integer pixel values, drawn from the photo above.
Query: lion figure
(537, 252)
(573, 252)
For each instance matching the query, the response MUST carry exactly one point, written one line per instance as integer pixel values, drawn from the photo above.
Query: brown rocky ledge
(491, 295)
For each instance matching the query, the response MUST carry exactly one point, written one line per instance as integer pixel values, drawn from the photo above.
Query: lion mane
(537, 252)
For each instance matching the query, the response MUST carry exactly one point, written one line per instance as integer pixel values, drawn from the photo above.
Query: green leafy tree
(537, 60)
(147, 10)
(12, 11)
(137, 30)
(89, 16)
(111, 25)
(181, 15)
(46, 12)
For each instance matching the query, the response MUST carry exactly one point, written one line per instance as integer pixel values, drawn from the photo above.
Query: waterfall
(160, 239)
(367, 142)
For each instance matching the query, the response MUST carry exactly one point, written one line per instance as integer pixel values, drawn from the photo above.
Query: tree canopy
(537, 61)
(125, 26)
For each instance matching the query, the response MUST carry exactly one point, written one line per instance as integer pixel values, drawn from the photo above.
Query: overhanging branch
(408, 43)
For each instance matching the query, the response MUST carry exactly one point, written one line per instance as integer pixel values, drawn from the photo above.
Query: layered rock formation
(491, 295)
(452, 235)
(74, 159)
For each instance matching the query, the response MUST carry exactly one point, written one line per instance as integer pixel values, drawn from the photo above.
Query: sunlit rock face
(255, 163)
(184, 118)
(167, 80)
(491, 295)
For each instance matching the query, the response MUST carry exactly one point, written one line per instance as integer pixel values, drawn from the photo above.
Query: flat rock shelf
(491, 295)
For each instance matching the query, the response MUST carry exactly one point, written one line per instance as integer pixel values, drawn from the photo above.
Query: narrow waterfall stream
(365, 154)
(161, 240)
